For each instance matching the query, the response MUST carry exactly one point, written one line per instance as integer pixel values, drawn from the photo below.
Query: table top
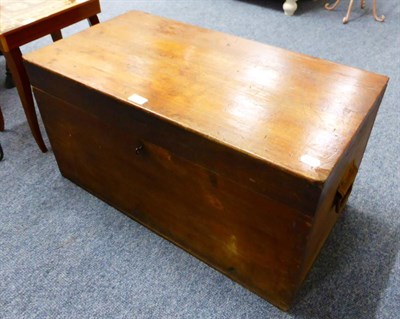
(15, 14)
(294, 111)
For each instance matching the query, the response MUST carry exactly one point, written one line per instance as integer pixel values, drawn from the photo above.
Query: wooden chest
(242, 154)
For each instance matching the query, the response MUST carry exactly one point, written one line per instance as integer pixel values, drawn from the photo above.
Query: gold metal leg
(333, 6)
(347, 17)
(381, 18)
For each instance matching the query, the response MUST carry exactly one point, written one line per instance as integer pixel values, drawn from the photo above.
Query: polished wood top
(16, 14)
(290, 110)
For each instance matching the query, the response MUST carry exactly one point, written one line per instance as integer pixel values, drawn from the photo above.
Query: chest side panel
(213, 155)
(252, 239)
(338, 188)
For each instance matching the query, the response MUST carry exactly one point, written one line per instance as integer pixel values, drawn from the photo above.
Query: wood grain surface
(293, 111)
(240, 153)
(24, 21)
(15, 14)
(256, 240)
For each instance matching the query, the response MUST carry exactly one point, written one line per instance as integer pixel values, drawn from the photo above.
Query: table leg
(1, 114)
(93, 20)
(56, 36)
(1, 121)
(21, 80)
(347, 17)
(9, 82)
(331, 6)
(290, 7)
(381, 18)
(1, 153)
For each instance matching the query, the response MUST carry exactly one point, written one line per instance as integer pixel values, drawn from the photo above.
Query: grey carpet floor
(66, 254)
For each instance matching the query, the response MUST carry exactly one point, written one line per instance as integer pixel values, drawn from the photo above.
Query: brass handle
(139, 150)
(345, 187)
(341, 200)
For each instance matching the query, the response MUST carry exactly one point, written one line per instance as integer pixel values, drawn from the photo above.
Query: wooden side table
(26, 20)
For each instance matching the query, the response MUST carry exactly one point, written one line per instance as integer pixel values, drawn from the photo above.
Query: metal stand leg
(347, 17)
(381, 18)
(333, 6)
